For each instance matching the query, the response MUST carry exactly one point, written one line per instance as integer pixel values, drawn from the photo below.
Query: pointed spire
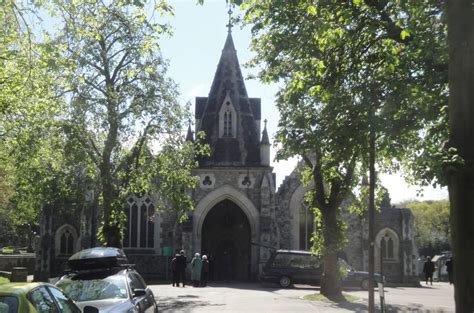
(265, 139)
(189, 135)
(228, 74)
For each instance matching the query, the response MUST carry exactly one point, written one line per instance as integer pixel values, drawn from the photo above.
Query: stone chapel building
(239, 214)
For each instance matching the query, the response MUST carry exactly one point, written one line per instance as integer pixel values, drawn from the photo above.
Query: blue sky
(194, 51)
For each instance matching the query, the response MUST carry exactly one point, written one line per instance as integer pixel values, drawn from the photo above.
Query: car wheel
(365, 284)
(285, 281)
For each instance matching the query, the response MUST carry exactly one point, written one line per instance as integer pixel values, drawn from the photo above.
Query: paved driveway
(249, 297)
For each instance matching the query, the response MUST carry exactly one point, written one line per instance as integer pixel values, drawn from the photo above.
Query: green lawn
(319, 297)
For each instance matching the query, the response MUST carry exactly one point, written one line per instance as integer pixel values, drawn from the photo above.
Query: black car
(101, 280)
(286, 267)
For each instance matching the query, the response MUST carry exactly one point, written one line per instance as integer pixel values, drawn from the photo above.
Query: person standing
(174, 270)
(196, 268)
(449, 269)
(205, 271)
(181, 267)
(428, 269)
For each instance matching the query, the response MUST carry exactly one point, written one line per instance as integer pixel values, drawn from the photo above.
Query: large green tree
(28, 106)
(432, 227)
(338, 61)
(123, 114)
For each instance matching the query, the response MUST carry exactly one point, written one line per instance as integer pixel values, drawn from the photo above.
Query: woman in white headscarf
(196, 267)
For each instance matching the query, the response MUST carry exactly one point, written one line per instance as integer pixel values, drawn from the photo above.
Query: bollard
(19, 274)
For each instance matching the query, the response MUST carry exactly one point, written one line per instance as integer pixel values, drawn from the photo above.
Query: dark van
(291, 266)
(286, 267)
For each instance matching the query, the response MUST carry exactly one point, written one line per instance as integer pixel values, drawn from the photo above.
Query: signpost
(167, 252)
(382, 297)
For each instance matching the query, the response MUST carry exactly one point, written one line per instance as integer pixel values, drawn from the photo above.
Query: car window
(66, 305)
(94, 289)
(136, 281)
(42, 300)
(281, 260)
(296, 261)
(8, 304)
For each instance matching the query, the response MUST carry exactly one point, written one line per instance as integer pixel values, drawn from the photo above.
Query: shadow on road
(261, 287)
(182, 303)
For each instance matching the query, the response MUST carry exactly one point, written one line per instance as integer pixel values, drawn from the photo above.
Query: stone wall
(7, 262)
(151, 266)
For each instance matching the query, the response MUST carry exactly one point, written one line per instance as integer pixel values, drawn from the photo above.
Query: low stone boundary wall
(151, 266)
(7, 262)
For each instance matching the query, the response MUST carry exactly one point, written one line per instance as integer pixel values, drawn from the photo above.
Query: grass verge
(319, 297)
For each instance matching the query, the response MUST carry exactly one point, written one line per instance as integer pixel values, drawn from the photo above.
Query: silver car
(104, 284)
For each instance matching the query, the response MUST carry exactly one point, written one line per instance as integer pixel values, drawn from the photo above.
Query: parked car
(101, 280)
(34, 298)
(286, 267)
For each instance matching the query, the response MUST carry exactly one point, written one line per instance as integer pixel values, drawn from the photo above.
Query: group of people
(199, 269)
(429, 268)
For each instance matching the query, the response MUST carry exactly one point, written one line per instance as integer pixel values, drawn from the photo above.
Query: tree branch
(121, 65)
(393, 31)
(318, 180)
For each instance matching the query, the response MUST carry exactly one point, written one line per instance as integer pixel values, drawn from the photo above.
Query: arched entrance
(226, 237)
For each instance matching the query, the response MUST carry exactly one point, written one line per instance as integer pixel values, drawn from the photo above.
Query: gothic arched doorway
(226, 237)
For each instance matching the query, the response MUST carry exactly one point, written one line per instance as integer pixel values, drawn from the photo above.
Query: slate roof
(244, 149)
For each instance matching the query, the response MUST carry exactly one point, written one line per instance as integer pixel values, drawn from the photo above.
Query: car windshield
(89, 289)
(8, 304)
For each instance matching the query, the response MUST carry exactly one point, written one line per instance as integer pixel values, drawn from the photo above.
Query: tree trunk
(111, 229)
(330, 280)
(461, 119)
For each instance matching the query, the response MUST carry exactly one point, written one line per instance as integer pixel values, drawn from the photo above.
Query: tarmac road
(253, 297)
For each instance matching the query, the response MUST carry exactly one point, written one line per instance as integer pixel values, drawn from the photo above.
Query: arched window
(227, 118)
(307, 227)
(228, 124)
(67, 243)
(388, 245)
(141, 223)
(65, 240)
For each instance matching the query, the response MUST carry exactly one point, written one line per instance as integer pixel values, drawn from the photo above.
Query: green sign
(167, 251)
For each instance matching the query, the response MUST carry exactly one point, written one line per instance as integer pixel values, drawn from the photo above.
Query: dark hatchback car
(286, 267)
(101, 280)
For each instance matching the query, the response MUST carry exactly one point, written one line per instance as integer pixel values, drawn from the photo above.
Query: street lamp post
(371, 208)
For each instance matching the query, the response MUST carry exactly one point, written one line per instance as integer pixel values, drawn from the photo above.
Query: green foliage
(90, 106)
(328, 238)
(432, 225)
(339, 60)
(29, 142)
(360, 200)
(123, 114)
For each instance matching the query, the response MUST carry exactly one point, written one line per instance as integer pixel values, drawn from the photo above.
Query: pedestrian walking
(174, 272)
(449, 269)
(428, 269)
(196, 267)
(181, 262)
(205, 271)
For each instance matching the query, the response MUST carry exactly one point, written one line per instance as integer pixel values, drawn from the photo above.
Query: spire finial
(265, 121)
(229, 25)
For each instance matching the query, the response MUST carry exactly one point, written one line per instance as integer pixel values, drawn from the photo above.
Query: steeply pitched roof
(243, 148)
